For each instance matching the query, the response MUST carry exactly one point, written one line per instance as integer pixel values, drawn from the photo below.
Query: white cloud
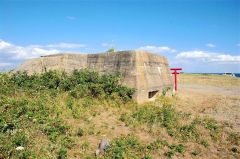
(4, 64)
(208, 56)
(60, 46)
(65, 45)
(107, 45)
(193, 54)
(24, 52)
(157, 49)
(4, 44)
(210, 45)
(226, 58)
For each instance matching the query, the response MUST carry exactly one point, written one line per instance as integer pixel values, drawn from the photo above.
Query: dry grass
(217, 96)
(205, 96)
(199, 97)
(210, 80)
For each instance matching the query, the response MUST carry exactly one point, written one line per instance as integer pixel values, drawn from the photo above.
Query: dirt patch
(219, 102)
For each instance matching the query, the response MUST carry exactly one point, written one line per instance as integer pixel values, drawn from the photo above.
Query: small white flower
(19, 148)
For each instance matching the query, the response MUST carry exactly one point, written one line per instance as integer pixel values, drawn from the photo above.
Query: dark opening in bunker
(152, 94)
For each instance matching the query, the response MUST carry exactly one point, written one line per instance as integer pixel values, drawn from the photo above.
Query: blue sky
(198, 35)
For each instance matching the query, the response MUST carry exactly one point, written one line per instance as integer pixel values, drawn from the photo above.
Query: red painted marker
(175, 76)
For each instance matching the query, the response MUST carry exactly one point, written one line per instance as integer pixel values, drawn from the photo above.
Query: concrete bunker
(148, 73)
(152, 94)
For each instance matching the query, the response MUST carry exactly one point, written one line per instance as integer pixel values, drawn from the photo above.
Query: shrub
(234, 138)
(189, 132)
(124, 147)
(148, 114)
(67, 142)
(170, 153)
(91, 131)
(79, 91)
(80, 83)
(195, 152)
(165, 90)
(70, 103)
(21, 79)
(212, 126)
(54, 128)
(175, 149)
(147, 157)
(111, 50)
(20, 139)
(158, 144)
(51, 79)
(85, 145)
(204, 143)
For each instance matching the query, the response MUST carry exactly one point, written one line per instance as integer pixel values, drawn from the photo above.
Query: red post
(175, 76)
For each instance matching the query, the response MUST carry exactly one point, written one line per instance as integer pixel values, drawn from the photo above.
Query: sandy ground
(219, 102)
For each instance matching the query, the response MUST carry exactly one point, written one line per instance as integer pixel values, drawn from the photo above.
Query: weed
(80, 132)
(212, 126)
(62, 153)
(69, 103)
(26, 155)
(195, 152)
(54, 128)
(170, 153)
(147, 157)
(20, 139)
(180, 148)
(204, 143)
(189, 132)
(91, 130)
(173, 149)
(234, 138)
(146, 114)
(31, 104)
(165, 90)
(85, 145)
(67, 142)
(158, 144)
(123, 147)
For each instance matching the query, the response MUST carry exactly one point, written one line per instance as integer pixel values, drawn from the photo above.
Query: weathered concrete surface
(142, 70)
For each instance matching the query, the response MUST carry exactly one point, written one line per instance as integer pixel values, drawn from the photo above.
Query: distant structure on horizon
(148, 73)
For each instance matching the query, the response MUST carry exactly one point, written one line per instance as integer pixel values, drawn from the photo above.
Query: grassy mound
(59, 115)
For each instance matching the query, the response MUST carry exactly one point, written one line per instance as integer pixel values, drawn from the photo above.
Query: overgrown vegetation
(81, 83)
(111, 50)
(28, 107)
(58, 115)
(167, 117)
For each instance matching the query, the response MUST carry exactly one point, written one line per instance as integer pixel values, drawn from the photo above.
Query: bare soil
(218, 98)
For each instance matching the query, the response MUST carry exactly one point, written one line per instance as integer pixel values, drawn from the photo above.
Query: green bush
(124, 147)
(85, 145)
(189, 132)
(67, 142)
(156, 145)
(21, 139)
(234, 138)
(173, 149)
(80, 83)
(62, 153)
(55, 128)
(213, 127)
